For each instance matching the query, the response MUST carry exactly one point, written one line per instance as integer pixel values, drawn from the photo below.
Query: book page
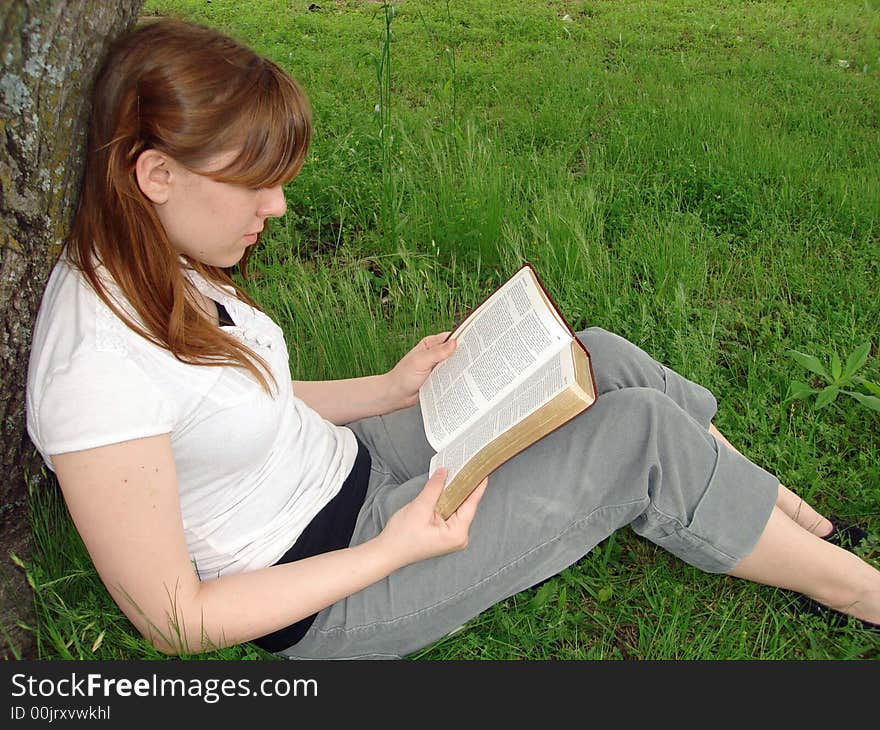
(545, 383)
(499, 345)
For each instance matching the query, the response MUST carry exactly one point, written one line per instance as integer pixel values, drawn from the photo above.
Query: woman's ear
(153, 172)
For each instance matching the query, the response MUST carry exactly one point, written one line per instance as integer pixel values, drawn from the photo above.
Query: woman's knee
(618, 449)
(643, 427)
(597, 339)
(627, 430)
(641, 407)
(618, 363)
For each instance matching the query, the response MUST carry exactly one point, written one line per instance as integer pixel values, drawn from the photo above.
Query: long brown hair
(189, 92)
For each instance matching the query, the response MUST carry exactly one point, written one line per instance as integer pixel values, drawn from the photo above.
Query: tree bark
(49, 53)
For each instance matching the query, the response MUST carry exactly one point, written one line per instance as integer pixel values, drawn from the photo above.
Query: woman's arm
(344, 401)
(124, 501)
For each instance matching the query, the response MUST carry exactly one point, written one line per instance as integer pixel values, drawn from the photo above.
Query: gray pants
(641, 456)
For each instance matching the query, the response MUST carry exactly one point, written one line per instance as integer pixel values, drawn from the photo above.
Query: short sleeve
(98, 398)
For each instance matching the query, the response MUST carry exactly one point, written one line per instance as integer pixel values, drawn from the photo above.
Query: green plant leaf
(798, 391)
(856, 360)
(836, 367)
(869, 386)
(826, 396)
(543, 596)
(811, 363)
(870, 401)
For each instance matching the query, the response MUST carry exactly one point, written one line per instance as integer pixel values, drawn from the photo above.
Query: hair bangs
(272, 131)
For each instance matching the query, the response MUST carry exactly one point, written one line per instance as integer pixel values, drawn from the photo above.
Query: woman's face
(214, 222)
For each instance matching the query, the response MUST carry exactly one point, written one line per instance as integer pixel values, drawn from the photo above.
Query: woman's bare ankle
(821, 526)
(802, 513)
(860, 603)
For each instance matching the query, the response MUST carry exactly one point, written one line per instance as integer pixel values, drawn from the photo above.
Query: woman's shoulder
(71, 315)
(83, 387)
(73, 326)
(66, 312)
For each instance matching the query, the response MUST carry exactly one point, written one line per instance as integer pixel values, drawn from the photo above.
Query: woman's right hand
(417, 531)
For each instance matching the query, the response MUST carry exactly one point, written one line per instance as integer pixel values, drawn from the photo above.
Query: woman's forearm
(239, 608)
(344, 401)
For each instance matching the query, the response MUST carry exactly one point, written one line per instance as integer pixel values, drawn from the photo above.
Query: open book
(517, 374)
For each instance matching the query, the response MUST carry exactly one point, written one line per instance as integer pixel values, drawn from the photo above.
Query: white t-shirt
(253, 470)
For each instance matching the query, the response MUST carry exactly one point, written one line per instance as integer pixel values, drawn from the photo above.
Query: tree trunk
(49, 51)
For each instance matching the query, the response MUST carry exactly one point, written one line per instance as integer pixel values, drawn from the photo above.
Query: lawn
(700, 177)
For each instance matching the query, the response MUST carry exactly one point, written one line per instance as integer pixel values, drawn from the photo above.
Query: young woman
(223, 503)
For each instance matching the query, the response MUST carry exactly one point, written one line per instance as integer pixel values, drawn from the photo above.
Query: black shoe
(833, 617)
(844, 534)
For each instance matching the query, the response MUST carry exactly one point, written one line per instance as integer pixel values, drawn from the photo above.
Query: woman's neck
(205, 306)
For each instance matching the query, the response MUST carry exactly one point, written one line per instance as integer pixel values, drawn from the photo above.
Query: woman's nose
(272, 203)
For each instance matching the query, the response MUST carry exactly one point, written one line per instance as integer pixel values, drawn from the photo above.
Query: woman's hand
(405, 378)
(417, 531)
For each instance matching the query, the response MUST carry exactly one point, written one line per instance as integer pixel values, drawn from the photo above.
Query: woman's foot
(833, 617)
(844, 534)
(847, 536)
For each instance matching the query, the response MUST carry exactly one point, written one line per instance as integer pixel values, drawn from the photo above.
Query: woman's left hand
(405, 378)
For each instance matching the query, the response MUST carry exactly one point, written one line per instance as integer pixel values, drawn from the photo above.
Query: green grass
(698, 177)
